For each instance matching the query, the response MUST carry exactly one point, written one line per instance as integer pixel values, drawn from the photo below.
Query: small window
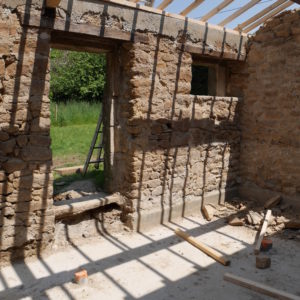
(203, 80)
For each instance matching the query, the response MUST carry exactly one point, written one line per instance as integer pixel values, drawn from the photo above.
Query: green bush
(77, 76)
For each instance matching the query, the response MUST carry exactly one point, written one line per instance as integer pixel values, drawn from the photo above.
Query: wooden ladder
(100, 157)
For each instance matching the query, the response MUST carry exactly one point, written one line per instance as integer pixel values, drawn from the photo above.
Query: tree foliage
(77, 76)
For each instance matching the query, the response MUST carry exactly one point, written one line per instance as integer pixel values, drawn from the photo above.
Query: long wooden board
(259, 287)
(206, 249)
(263, 231)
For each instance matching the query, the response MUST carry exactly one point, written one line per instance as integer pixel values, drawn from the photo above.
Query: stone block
(13, 164)
(36, 153)
(4, 136)
(8, 146)
(22, 140)
(263, 262)
(2, 68)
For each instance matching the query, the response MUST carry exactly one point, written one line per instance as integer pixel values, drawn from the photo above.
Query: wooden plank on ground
(206, 249)
(272, 202)
(69, 170)
(259, 287)
(263, 231)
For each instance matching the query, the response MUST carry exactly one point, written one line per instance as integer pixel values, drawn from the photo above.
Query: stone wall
(270, 120)
(172, 149)
(26, 226)
(169, 150)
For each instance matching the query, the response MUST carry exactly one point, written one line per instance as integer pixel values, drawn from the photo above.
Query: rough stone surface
(26, 217)
(175, 147)
(270, 115)
(167, 146)
(263, 262)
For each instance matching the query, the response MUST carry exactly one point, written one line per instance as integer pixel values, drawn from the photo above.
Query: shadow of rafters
(34, 218)
(151, 95)
(120, 253)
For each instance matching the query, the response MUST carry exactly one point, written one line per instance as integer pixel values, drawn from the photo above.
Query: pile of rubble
(249, 214)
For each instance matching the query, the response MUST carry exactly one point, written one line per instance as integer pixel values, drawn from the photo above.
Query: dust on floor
(154, 265)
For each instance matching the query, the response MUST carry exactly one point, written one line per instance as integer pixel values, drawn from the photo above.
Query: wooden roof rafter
(216, 10)
(191, 7)
(239, 12)
(164, 4)
(259, 15)
(268, 16)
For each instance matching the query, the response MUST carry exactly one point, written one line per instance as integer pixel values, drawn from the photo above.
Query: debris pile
(249, 214)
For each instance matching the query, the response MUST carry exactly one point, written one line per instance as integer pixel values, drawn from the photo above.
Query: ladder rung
(98, 147)
(96, 161)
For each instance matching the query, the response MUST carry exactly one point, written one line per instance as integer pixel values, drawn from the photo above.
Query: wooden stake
(263, 231)
(56, 110)
(206, 249)
(259, 287)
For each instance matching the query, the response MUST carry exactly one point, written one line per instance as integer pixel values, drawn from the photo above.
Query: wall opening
(77, 86)
(208, 78)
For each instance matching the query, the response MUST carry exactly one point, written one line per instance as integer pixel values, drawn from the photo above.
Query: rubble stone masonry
(167, 148)
(26, 217)
(270, 119)
(171, 148)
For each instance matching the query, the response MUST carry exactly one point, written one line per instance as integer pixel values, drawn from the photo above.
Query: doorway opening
(77, 88)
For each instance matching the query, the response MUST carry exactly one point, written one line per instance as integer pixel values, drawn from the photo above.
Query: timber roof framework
(244, 27)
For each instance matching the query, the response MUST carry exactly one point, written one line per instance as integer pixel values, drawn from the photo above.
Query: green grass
(72, 132)
(74, 113)
(70, 144)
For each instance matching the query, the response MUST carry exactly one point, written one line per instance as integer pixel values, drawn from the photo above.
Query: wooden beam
(259, 15)
(206, 249)
(67, 208)
(216, 10)
(191, 7)
(259, 287)
(239, 12)
(268, 16)
(263, 231)
(170, 15)
(52, 3)
(92, 30)
(80, 42)
(164, 4)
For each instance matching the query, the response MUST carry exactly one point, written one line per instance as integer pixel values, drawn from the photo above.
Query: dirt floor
(154, 265)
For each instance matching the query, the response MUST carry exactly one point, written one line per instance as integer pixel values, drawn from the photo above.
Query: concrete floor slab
(154, 265)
